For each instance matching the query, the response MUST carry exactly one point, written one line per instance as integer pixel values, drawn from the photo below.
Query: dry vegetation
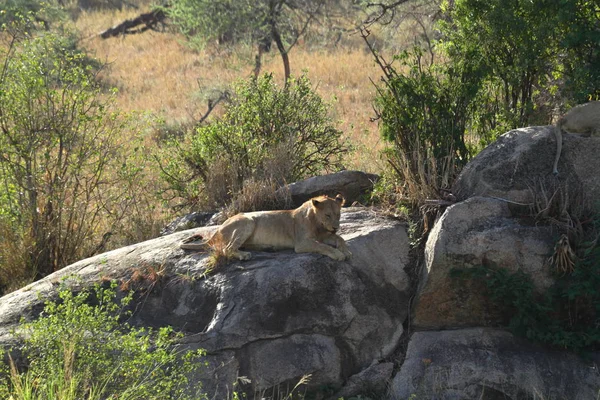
(159, 73)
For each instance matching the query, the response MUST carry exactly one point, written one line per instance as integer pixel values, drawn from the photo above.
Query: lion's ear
(315, 202)
(340, 199)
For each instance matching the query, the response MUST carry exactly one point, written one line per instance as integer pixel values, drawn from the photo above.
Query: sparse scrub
(80, 347)
(267, 134)
(67, 167)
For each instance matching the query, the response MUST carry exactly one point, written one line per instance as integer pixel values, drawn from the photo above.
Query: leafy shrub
(424, 114)
(77, 350)
(43, 14)
(497, 66)
(267, 133)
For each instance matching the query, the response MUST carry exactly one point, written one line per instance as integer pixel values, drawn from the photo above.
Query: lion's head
(327, 212)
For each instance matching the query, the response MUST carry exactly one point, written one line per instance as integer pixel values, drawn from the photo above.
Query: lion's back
(272, 230)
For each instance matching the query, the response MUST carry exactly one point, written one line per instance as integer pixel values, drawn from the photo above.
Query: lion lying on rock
(310, 228)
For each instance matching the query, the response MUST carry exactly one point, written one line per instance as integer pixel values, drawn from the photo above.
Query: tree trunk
(283, 52)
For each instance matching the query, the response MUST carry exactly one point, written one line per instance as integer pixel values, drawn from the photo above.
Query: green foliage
(43, 14)
(78, 350)
(241, 20)
(268, 133)
(207, 20)
(529, 54)
(511, 45)
(424, 114)
(566, 316)
(577, 22)
(498, 65)
(425, 107)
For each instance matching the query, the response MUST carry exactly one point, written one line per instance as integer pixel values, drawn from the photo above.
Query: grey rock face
(188, 221)
(476, 232)
(372, 381)
(486, 363)
(510, 166)
(272, 319)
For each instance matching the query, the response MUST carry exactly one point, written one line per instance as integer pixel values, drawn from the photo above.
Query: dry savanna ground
(158, 72)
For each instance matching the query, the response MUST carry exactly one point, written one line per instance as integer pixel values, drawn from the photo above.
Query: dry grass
(260, 196)
(157, 72)
(13, 260)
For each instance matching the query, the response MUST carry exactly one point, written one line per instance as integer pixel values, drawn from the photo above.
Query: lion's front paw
(337, 255)
(347, 254)
(242, 255)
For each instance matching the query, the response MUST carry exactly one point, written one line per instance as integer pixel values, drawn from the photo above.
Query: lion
(583, 120)
(310, 228)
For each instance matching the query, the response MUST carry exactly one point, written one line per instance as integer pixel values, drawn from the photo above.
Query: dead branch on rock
(140, 24)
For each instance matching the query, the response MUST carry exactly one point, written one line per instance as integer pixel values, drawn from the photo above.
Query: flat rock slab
(273, 318)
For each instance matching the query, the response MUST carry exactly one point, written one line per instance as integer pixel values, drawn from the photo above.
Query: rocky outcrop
(272, 319)
(458, 350)
(486, 363)
(370, 382)
(281, 316)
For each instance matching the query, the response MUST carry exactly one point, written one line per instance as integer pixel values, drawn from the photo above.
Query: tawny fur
(583, 120)
(310, 228)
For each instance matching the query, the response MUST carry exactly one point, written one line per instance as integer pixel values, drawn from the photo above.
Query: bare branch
(383, 11)
(212, 103)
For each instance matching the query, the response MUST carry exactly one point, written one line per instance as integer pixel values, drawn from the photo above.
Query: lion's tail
(558, 135)
(197, 242)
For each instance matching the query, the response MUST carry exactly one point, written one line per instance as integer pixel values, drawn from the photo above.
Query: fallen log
(132, 26)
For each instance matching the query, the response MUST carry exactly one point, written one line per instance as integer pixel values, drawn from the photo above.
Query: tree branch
(147, 21)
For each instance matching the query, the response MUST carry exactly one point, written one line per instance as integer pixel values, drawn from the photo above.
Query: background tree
(258, 22)
(500, 64)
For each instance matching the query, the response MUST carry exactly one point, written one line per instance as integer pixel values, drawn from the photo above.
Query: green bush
(268, 133)
(43, 14)
(424, 113)
(77, 350)
(498, 65)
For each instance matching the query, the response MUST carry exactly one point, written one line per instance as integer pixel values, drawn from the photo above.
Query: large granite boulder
(351, 184)
(490, 364)
(272, 319)
(513, 164)
(476, 232)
